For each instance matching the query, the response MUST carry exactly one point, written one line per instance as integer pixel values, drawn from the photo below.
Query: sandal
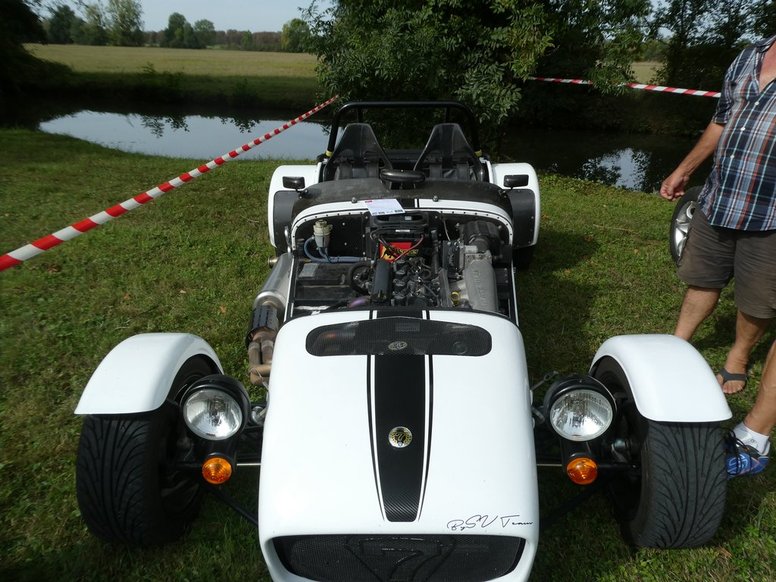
(732, 377)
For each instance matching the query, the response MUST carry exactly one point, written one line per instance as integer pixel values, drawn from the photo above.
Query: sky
(253, 15)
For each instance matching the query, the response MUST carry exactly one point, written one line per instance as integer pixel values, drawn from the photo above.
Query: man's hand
(673, 186)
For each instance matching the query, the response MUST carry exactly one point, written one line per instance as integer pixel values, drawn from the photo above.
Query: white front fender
(670, 380)
(137, 374)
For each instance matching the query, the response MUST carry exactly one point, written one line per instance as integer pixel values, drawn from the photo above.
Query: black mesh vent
(382, 558)
(398, 336)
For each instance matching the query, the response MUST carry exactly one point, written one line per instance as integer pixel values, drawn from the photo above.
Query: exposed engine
(410, 260)
(415, 260)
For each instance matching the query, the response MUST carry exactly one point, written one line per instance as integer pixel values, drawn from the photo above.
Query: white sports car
(400, 434)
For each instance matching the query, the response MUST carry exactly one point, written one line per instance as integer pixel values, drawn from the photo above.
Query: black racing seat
(448, 155)
(356, 155)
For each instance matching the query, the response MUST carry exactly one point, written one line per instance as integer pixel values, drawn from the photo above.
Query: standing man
(734, 230)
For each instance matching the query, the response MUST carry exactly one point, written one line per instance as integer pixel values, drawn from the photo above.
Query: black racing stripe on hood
(400, 401)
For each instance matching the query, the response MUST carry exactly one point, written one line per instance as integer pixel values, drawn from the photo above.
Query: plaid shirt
(740, 192)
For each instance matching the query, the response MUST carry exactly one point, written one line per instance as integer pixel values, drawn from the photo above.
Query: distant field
(216, 63)
(212, 62)
(645, 70)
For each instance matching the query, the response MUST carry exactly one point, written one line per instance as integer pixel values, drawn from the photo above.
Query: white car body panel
(310, 174)
(670, 380)
(500, 171)
(464, 208)
(137, 374)
(322, 479)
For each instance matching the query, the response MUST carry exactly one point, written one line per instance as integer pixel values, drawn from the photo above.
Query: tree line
(119, 22)
(479, 52)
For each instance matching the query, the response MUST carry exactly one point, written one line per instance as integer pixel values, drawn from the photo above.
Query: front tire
(128, 487)
(678, 498)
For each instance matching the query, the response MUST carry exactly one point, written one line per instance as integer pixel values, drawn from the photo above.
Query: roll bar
(361, 106)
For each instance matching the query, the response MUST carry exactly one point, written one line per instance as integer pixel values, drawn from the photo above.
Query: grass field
(644, 71)
(215, 63)
(237, 79)
(194, 260)
(112, 59)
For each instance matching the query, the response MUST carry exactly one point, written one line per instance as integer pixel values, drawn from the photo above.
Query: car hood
(387, 421)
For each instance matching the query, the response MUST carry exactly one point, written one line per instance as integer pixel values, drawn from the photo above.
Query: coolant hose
(325, 258)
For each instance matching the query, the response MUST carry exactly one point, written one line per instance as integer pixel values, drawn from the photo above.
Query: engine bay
(416, 259)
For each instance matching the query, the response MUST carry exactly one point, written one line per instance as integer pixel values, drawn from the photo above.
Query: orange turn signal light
(582, 470)
(216, 470)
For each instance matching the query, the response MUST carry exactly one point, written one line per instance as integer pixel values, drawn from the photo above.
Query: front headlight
(581, 414)
(215, 408)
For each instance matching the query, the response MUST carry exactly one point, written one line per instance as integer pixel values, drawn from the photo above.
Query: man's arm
(673, 186)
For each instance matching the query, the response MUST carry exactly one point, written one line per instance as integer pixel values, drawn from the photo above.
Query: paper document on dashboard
(384, 206)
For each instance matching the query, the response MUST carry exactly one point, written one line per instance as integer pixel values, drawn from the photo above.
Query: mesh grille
(398, 336)
(381, 558)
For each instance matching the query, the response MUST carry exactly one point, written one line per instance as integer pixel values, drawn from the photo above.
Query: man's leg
(697, 305)
(706, 266)
(749, 446)
(749, 331)
(762, 417)
(755, 273)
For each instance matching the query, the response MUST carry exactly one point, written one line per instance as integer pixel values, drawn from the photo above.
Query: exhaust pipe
(268, 310)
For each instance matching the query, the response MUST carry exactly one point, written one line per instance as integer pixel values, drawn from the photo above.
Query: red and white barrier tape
(640, 86)
(78, 228)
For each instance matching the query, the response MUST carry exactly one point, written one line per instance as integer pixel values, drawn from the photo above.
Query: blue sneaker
(743, 459)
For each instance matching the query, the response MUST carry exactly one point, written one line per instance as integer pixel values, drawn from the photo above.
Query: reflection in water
(156, 125)
(190, 136)
(633, 161)
(244, 124)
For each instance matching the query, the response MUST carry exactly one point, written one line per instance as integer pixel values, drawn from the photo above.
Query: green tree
(93, 31)
(596, 40)
(703, 36)
(124, 22)
(61, 24)
(478, 51)
(246, 41)
(188, 37)
(764, 17)
(295, 36)
(173, 35)
(18, 24)
(205, 33)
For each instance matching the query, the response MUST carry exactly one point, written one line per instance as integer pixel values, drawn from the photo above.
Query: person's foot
(731, 382)
(743, 458)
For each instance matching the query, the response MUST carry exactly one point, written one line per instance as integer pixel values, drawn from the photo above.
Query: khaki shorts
(712, 256)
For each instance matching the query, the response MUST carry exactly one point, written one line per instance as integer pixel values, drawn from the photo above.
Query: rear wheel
(680, 222)
(129, 487)
(676, 497)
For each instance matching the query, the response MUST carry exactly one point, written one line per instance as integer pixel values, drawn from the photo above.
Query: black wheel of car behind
(678, 499)
(680, 222)
(128, 489)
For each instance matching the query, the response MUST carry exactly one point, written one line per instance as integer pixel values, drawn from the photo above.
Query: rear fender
(137, 374)
(670, 380)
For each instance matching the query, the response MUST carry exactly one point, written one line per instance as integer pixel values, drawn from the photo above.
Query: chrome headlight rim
(218, 395)
(579, 387)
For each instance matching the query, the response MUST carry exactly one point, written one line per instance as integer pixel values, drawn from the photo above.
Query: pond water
(632, 161)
